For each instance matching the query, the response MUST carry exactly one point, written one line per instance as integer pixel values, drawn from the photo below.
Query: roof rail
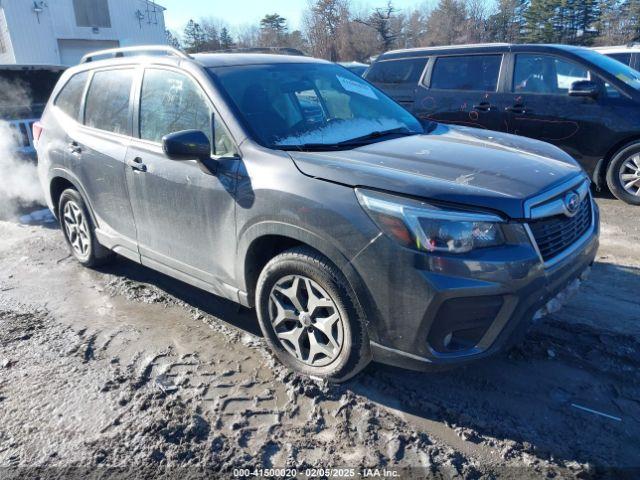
(120, 52)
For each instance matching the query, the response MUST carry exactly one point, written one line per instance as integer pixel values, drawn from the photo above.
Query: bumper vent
(555, 234)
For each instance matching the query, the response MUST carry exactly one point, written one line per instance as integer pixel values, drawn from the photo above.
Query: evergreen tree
(193, 37)
(226, 42)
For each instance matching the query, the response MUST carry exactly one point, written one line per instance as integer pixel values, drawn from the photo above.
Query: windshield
(312, 105)
(622, 72)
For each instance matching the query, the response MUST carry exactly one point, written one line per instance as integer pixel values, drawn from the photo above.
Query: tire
(313, 319)
(79, 231)
(625, 162)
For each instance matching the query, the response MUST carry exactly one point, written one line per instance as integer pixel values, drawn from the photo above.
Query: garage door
(71, 51)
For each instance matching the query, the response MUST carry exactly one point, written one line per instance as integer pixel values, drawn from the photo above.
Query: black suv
(290, 184)
(575, 98)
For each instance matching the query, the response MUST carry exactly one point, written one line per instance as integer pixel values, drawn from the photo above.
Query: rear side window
(621, 57)
(107, 104)
(471, 72)
(70, 96)
(397, 71)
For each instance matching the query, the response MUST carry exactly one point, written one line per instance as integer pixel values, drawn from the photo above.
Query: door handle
(483, 107)
(136, 164)
(75, 148)
(517, 108)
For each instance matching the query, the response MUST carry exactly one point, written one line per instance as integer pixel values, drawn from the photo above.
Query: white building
(61, 31)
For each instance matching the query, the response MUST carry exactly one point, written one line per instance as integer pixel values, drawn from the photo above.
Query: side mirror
(583, 88)
(187, 145)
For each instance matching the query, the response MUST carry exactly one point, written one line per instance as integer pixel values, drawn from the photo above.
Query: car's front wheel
(623, 174)
(310, 316)
(78, 230)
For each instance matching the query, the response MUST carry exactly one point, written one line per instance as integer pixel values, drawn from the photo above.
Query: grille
(555, 234)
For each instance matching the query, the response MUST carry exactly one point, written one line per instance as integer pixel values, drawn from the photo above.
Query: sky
(242, 12)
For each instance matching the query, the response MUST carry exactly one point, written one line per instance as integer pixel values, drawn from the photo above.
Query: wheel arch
(600, 174)
(60, 181)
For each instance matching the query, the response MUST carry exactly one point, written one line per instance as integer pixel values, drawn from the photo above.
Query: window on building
(172, 102)
(107, 105)
(470, 72)
(397, 71)
(92, 13)
(70, 96)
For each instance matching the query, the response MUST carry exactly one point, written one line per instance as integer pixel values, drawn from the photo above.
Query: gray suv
(291, 185)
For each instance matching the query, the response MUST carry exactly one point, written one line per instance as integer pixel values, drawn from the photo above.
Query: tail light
(37, 131)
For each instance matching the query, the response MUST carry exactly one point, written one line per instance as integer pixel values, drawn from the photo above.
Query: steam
(19, 184)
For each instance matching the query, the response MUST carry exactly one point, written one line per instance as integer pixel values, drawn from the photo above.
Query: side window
(171, 102)
(107, 104)
(397, 71)
(621, 57)
(470, 72)
(70, 96)
(546, 74)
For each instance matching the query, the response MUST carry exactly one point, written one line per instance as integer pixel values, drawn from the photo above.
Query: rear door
(398, 78)
(97, 152)
(185, 217)
(463, 90)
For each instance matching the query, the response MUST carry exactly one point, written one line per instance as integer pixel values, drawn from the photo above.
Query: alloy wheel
(76, 228)
(630, 175)
(306, 320)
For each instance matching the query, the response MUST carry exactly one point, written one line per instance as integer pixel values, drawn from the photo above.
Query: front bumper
(436, 310)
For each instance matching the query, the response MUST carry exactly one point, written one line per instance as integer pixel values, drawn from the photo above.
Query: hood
(468, 166)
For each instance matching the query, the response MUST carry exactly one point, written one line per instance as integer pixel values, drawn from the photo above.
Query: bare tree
(381, 20)
(447, 24)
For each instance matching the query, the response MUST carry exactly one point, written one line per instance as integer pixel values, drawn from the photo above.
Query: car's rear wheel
(623, 174)
(310, 316)
(78, 230)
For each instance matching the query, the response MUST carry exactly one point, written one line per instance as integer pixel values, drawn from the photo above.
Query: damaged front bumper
(440, 310)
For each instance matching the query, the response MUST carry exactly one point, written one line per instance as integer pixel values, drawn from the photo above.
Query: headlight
(428, 227)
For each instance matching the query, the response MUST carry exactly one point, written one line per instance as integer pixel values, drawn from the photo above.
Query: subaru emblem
(571, 203)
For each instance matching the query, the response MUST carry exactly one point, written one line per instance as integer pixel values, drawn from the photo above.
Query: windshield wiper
(353, 142)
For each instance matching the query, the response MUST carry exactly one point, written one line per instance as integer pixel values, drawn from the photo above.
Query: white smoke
(19, 184)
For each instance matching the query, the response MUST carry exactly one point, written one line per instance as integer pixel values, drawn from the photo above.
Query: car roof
(237, 59)
(479, 47)
(618, 49)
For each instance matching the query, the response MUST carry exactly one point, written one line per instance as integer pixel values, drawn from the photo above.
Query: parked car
(627, 54)
(356, 67)
(24, 91)
(575, 98)
(360, 235)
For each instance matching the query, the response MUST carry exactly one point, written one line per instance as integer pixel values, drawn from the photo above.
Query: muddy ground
(123, 367)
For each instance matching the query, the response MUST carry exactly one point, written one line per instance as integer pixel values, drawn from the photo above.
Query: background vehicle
(575, 98)
(627, 54)
(355, 232)
(24, 91)
(356, 67)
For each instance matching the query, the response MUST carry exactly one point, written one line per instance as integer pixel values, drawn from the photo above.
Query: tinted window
(621, 57)
(70, 96)
(107, 105)
(546, 74)
(472, 72)
(397, 71)
(172, 102)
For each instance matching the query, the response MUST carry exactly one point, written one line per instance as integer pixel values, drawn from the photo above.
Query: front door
(542, 108)
(462, 90)
(185, 216)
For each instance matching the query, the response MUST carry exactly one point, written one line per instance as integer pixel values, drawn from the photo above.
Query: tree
(274, 22)
(226, 42)
(322, 21)
(447, 24)
(193, 37)
(172, 40)
(381, 20)
(507, 21)
(211, 28)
